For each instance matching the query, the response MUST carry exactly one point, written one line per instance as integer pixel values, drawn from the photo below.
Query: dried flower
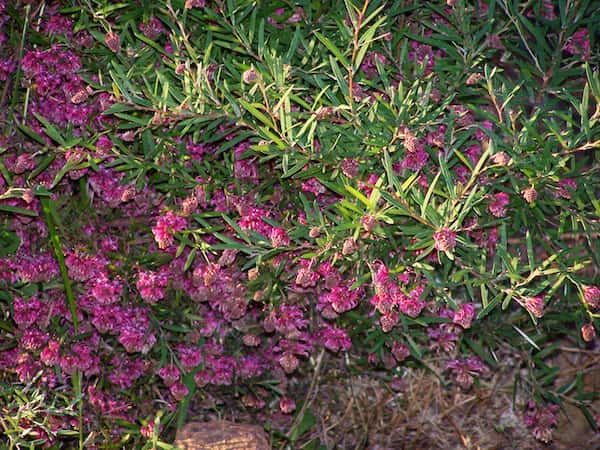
(249, 76)
(113, 41)
(588, 332)
(530, 194)
(474, 78)
(349, 247)
(501, 159)
(189, 4)
(542, 419)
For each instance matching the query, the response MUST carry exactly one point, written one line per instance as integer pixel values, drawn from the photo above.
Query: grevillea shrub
(200, 199)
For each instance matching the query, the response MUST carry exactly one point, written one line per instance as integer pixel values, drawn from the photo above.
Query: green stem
(55, 239)
(13, 101)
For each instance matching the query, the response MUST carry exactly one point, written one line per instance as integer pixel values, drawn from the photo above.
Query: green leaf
(9, 243)
(18, 210)
(50, 130)
(306, 423)
(333, 49)
(256, 113)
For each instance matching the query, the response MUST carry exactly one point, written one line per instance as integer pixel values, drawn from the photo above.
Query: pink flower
(50, 354)
(279, 237)
(341, 298)
(27, 312)
(412, 305)
(179, 391)
(388, 321)
(579, 43)
(289, 319)
(170, 374)
(106, 291)
(289, 362)
(591, 295)
(565, 187)
(151, 285)
(287, 405)
(349, 167)
(444, 240)
(190, 356)
(535, 305)
(313, 185)
(465, 315)
(33, 339)
(148, 430)
(153, 29)
(136, 339)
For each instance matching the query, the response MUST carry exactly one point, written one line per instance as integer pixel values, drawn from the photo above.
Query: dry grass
(418, 412)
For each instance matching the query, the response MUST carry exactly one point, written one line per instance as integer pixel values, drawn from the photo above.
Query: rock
(221, 435)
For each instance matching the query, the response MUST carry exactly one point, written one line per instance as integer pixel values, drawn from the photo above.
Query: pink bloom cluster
(151, 285)
(497, 206)
(389, 298)
(579, 44)
(166, 227)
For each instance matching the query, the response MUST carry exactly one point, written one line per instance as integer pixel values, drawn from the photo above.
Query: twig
(310, 394)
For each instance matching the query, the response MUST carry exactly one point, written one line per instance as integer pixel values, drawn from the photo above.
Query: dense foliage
(200, 198)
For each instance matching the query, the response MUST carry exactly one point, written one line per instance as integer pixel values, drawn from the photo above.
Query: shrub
(201, 197)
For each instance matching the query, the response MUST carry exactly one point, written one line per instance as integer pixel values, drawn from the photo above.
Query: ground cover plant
(212, 208)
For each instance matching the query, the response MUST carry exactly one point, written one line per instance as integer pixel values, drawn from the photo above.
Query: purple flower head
(152, 29)
(591, 295)
(335, 339)
(541, 419)
(106, 291)
(497, 206)
(465, 369)
(579, 44)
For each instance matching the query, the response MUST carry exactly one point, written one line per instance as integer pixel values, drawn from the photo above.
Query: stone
(221, 435)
